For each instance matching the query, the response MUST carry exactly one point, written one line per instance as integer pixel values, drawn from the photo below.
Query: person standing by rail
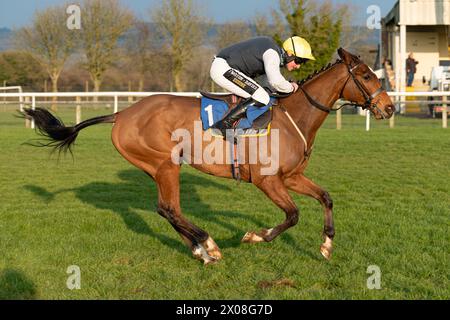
(410, 69)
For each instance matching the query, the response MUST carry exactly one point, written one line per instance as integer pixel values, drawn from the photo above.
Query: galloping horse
(143, 133)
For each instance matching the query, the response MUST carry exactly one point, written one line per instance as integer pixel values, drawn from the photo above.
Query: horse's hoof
(201, 254)
(212, 249)
(216, 254)
(252, 237)
(207, 252)
(210, 260)
(326, 252)
(326, 248)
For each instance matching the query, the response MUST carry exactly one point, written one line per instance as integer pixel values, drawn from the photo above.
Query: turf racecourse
(391, 192)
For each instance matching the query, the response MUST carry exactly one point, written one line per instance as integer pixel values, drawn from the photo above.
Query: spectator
(410, 69)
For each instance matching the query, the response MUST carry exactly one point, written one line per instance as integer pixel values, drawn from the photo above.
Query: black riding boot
(234, 115)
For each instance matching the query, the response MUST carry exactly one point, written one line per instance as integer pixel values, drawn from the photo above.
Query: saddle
(231, 99)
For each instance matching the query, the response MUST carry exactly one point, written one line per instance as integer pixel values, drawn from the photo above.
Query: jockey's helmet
(298, 47)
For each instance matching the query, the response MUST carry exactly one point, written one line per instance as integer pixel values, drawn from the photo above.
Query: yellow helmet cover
(299, 47)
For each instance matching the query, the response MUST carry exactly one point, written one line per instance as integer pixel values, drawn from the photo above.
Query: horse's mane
(318, 72)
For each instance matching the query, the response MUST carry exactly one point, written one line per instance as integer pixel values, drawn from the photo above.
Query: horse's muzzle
(390, 109)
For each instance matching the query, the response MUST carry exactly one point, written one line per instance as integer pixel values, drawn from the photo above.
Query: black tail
(59, 136)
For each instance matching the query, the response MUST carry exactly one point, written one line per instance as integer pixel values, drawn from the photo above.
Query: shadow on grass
(14, 285)
(138, 192)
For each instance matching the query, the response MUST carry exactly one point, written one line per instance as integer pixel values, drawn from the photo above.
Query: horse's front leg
(302, 185)
(274, 188)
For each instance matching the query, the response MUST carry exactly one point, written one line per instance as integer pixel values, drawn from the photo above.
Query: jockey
(235, 67)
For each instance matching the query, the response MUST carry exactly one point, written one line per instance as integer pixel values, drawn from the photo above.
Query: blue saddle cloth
(214, 110)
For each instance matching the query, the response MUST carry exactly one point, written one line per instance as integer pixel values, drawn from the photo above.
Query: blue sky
(17, 13)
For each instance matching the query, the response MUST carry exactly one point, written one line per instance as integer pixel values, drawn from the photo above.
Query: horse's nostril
(390, 109)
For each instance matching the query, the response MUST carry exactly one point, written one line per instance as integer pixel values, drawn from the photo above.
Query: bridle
(369, 98)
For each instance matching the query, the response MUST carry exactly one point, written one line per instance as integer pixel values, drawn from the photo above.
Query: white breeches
(220, 67)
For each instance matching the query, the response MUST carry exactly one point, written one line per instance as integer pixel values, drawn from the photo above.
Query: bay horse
(143, 135)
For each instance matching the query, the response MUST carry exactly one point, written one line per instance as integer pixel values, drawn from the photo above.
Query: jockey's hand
(295, 86)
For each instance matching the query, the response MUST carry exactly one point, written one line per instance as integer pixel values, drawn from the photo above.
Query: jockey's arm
(272, 67)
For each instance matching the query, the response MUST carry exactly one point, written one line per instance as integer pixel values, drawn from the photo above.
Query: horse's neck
(324, 89)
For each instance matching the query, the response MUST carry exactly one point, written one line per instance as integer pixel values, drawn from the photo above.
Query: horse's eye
(366, 77)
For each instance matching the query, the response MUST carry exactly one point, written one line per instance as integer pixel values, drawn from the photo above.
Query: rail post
(78, 110)
(392, 121)
(130, 98)
(33, 106)
(444, 112)
(116, 103)
(367, 120)
(27, 121)
(21, 99)
(339, 119)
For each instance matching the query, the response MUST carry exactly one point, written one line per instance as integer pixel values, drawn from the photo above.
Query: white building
(421, 27)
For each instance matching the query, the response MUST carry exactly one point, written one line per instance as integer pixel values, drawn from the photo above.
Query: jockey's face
(292, 66)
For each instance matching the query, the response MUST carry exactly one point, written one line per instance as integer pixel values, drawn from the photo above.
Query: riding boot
(234, 115)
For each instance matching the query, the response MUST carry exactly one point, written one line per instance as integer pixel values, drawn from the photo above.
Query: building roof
(419, 12)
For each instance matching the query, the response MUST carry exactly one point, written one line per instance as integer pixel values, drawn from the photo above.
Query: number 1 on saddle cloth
(213, 110)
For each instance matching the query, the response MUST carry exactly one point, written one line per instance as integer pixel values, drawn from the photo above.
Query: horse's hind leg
(166, 174)
(202, 245)
(302, 185)
(274, 188)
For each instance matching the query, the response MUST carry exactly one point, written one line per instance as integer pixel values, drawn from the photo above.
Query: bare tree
(184, 30)
(139, 49)
(196, 72)
(159, 74)
(262, 26)
(231, 32)
(49, 40)
(103, 23)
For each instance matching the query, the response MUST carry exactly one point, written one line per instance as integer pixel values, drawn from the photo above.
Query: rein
(315, 103)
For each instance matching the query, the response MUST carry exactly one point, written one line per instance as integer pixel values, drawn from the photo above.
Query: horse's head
(364, 88)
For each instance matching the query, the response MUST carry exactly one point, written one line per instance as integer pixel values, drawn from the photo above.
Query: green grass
(391, 192)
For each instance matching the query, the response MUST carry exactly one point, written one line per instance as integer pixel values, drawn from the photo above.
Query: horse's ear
(347, 57)
(342, 53)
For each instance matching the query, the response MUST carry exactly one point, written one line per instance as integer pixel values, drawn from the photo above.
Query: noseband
(368, 103)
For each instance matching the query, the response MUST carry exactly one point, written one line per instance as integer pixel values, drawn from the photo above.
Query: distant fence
(30, 98)
(19, 90)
